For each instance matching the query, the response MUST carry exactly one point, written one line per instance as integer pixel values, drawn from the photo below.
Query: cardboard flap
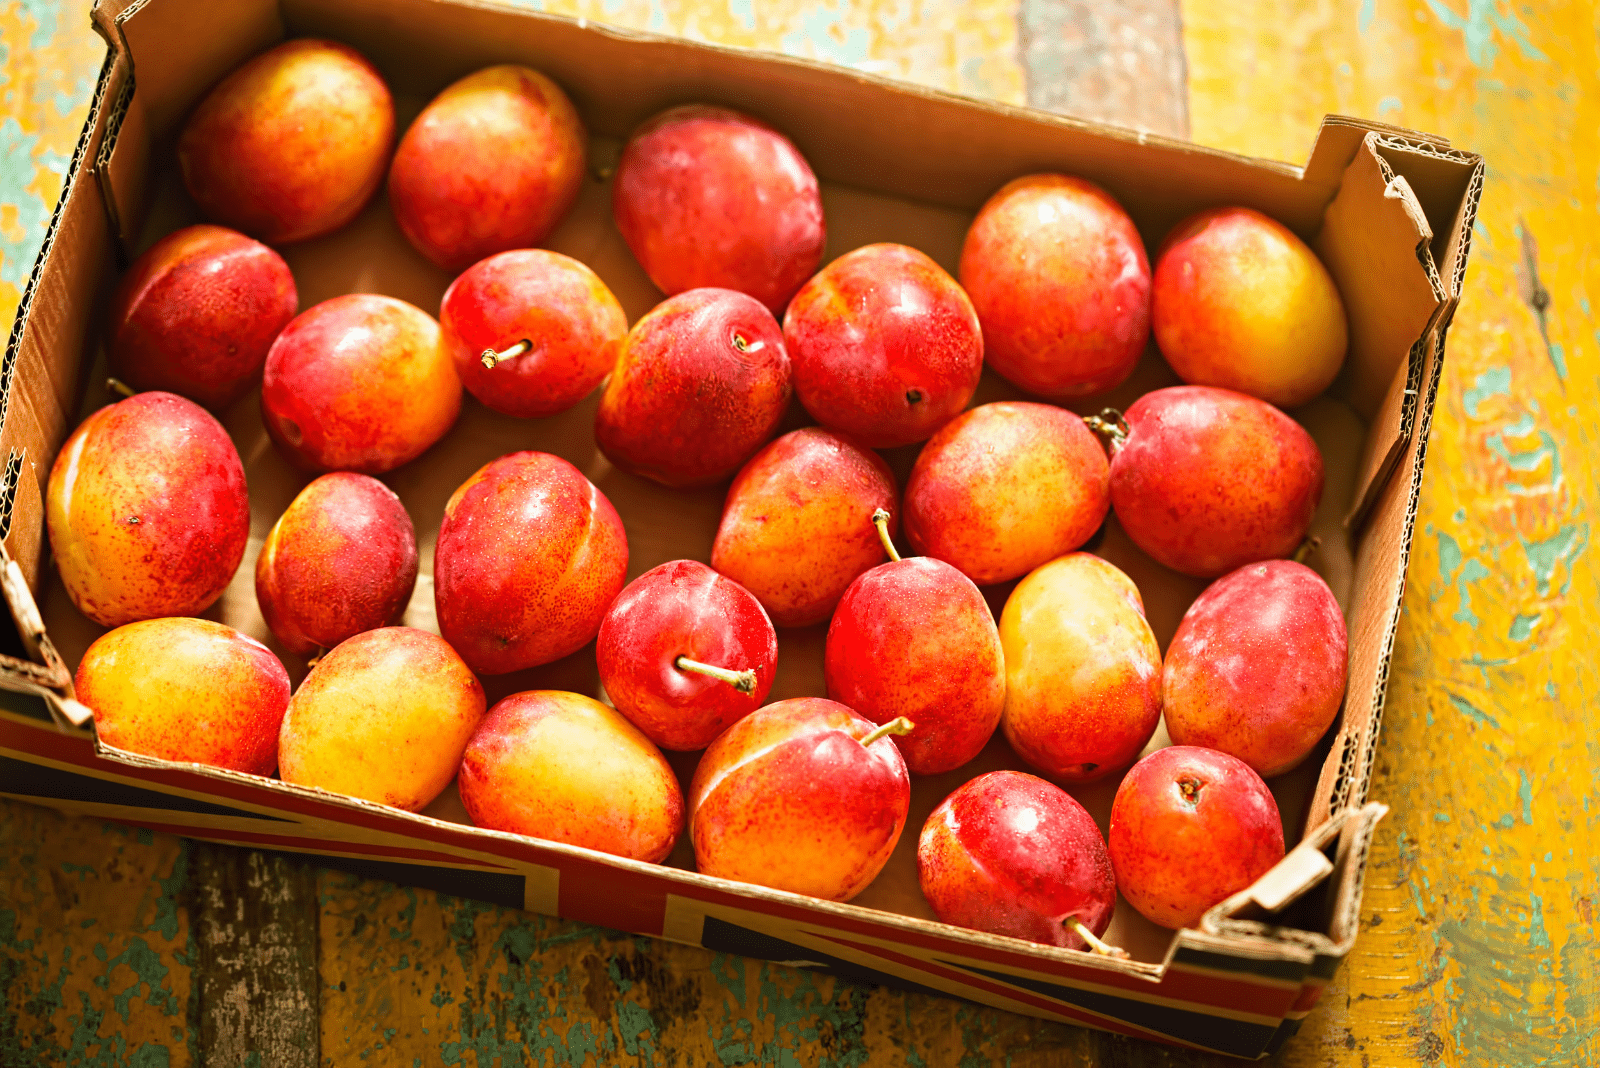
(1338, 139)
(47, 675)
(1447, 185)
(1376, 241)
(1389, 432)
(1301, 870)
(122, 174)
(1350, 862)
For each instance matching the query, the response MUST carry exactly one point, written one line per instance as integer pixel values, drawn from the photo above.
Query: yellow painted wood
(94, 943)
(1478, 947)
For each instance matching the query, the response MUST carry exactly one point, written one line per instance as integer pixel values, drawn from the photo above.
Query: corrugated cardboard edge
(32, 429)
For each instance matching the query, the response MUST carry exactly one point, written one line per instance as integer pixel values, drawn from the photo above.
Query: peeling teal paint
(1449, 556)
(1388, 104)
(1478, 27)
(1522, 626)
(1466, 708)
(1471, 572)
(1495, 382)
(20, 156)
(1563, 547)
(744, 11)
(1538, 937)
(1525, 794)
(1558, 357)
(824, 35)
(1527, 460)
(1369, 8)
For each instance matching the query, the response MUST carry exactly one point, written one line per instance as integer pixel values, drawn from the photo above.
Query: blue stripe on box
(1237, 1037)
(45, 784)
(725, 937)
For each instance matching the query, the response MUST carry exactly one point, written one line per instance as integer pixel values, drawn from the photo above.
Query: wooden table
(1479, 946)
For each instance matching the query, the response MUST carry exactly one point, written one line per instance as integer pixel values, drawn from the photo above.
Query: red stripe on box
(1308, 998)
(592, 893)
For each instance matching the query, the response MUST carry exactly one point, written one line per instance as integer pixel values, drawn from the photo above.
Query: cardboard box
(1390, 212)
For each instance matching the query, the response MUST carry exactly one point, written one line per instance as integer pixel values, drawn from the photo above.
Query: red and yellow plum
(1189, 828)
(529, 557)
(1208, 480)
(384, 717)
(685, 653)
(1240, 302)
(196, 314)
(493, 163)
(188, 690)
(147, 511)
(292, 144)
(359, 383)
(886, 346)
(1257, 668)
(915, 638)
(790, 798)
(1011, 854)
(1083, 670)
(564, 767)
(1006, 487)
(341, 559)
(701, 383)
(1059, 277)
(797, 528)
(706, 196)
(552, 326)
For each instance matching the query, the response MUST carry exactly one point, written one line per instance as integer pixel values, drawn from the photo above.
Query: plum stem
(1105, 949)
(117, 385)
(743, 681)
(1110, 425)
(1190, 789)
(898, 725)
(1307, 547)
(314, 661)
(491, 357)
(880, 519)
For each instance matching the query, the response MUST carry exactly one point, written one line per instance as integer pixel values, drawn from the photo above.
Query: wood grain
(255, 918)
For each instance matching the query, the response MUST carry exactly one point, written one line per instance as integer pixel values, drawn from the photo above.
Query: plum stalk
(490, 357)
(1105, 949)
(1307, 547)
(743, 681)
(1110, 426)
(880, 519)
(898, 725)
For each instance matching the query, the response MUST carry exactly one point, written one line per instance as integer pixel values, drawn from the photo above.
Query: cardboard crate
(1389, 211)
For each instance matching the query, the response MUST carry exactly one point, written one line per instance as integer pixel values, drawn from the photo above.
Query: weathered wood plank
(255, 922)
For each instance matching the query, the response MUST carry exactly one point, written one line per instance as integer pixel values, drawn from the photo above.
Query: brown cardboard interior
(870, 142)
